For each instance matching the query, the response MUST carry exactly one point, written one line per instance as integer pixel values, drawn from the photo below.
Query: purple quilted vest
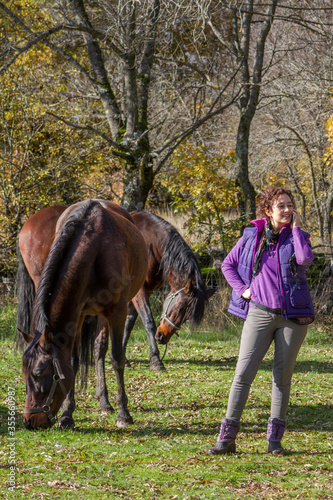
(295, 296)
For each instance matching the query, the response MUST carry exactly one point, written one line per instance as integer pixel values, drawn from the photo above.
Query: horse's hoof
(157, 366)
(106, 409)
(65, 423)
(124, 422)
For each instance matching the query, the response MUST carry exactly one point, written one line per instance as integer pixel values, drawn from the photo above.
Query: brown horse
(170, 260)
(95, 265)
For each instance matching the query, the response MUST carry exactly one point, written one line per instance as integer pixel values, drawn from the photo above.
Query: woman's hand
(247, 294)
(296, 219)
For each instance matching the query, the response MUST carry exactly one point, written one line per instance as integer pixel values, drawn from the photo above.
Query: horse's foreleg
(130, 321)
(118, 362)
(141, 303)
(66, 420)
(100, 349)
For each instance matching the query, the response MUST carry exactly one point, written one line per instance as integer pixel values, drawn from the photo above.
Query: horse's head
(175, 309)
(186, 303)
(48, 380)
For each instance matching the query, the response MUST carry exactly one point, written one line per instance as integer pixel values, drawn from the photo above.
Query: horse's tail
(26, 294)
(86, 352)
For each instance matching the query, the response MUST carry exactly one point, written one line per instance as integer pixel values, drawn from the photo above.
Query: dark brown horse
(95, 265)
(170, 260)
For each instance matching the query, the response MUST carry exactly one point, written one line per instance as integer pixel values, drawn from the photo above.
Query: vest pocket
(299, 295)
(239, 301)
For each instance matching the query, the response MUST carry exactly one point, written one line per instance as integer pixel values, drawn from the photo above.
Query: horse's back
(124, 247)
(155, 234)
(115, 208)
(106, 204)
(108, 242)
(36, 237)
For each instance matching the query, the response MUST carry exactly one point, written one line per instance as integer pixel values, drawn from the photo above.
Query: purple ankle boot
(226, 440)
(275, 431)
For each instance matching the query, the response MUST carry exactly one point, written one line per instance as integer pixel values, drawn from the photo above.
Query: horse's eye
(37, 374)
(39, 370)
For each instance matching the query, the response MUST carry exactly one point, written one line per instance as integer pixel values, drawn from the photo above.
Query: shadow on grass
(223, 362)
(17, 422)
(230, 362)
(312, 418)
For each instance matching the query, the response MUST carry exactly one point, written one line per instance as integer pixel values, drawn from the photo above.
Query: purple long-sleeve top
(264, 287)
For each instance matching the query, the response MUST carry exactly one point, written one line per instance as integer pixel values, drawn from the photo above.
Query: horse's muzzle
(160, 338)
(28, 424)
(34, 423)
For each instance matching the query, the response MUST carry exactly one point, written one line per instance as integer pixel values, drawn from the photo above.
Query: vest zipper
(283, 301)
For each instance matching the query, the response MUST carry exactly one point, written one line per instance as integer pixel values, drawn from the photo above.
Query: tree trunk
(251, 89)
(102, 84)
(137, 187)
(247, 202)
(327, 210)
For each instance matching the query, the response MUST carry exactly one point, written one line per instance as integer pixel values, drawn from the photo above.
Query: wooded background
(195, 105)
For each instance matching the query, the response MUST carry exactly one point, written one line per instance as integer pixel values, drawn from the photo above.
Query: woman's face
(281, 211)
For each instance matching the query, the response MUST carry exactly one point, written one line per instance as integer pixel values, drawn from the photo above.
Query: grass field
(176, 417)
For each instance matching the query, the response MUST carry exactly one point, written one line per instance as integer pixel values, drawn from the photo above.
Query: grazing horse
(170, 260)
(95, 265)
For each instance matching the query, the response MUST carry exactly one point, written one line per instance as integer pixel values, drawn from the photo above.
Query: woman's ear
(268, 214)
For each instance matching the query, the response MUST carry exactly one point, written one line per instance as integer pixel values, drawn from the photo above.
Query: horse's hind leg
(130, 321)
(100, 349)
(66, 420)
(118, 362)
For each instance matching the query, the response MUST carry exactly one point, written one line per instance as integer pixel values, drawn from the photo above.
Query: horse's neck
(64, 316)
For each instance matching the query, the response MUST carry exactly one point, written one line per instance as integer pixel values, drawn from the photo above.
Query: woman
(266, 270)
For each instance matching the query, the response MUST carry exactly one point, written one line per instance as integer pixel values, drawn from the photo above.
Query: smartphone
(293, 218)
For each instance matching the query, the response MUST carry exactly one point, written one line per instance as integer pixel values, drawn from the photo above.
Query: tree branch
(178, 139)
(68, 57)
(39, 37)
(124, 153)
(146, 66)
(101, 81)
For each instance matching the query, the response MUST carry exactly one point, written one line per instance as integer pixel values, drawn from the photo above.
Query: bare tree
(293, 145)
(121, 65)
(250, 23)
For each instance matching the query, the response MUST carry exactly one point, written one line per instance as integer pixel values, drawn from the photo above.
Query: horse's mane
(51, 268)
(179, 258)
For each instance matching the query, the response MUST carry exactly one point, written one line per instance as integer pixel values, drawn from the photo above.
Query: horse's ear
(46, 337)
(210, 292)
(189, 286)
(28, 338)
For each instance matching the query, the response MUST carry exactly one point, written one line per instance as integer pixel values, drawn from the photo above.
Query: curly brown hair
(266, 200)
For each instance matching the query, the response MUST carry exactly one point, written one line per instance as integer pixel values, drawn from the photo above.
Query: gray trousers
(259, 331)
